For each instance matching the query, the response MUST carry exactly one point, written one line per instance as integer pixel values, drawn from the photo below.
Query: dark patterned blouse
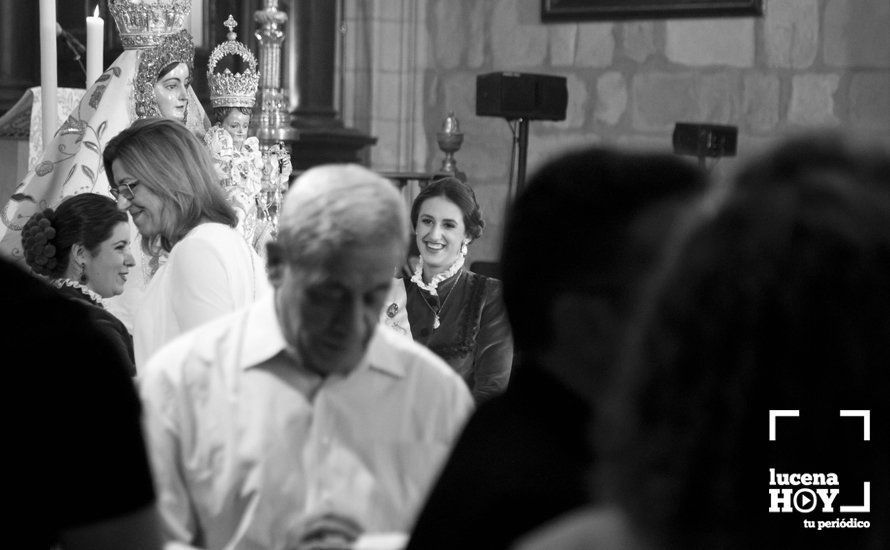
(473, 335)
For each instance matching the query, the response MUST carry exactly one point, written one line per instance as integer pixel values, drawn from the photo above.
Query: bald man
(295, 423)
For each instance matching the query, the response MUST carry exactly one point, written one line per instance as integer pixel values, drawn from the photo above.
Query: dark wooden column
(320, 136)
(19, 55)
(316, 45)
(20, 47)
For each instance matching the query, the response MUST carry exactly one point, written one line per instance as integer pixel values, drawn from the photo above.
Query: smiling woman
(162, 175)
(456, 313)
(83, 246)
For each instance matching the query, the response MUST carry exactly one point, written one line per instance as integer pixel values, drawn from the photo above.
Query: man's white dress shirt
(247, 446)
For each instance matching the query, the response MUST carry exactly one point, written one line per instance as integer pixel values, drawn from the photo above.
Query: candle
(194, 22)
(95, 46)
(48, 82)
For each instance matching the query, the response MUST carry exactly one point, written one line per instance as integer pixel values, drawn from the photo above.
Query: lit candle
(95, 60)
(48, 82)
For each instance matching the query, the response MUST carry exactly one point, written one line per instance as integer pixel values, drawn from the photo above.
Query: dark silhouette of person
(579, 238)
(80, 461)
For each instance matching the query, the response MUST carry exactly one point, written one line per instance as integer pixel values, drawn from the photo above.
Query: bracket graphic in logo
(804, 499)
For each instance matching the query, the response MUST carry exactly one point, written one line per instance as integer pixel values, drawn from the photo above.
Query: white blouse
(210, 272)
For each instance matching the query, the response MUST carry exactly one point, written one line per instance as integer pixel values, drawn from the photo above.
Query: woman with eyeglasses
(456, 313)
(163, 176)
(83, 248)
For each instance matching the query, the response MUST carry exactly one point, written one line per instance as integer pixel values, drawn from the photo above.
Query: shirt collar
(262, 333)
(382, 357)
(263, 340)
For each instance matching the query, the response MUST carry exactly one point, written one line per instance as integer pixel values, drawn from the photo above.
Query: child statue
(252, 178)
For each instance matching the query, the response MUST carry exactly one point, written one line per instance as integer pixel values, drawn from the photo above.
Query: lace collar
(90, 294)
(431, 287)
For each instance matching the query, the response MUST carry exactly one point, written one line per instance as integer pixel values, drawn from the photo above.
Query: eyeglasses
(124, 190)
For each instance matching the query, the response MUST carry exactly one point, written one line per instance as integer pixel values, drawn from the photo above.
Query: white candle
(95, 45)
(194, 24)
(48, 82)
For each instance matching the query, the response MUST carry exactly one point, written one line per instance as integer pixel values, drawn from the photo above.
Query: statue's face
(236, 124)
(171, 92)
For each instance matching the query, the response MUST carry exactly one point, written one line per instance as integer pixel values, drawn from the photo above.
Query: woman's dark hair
(461, 195)
(169, 67)
(47, 237)
(220, 113)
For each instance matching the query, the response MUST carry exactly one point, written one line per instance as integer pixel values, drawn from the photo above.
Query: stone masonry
(804, 64)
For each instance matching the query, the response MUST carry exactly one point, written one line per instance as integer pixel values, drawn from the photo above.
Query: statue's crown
(144, 23)
(227, 89)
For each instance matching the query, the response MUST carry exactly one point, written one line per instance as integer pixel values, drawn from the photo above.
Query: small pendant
(436, 323)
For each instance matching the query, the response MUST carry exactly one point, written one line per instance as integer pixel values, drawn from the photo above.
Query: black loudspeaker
(521, 95)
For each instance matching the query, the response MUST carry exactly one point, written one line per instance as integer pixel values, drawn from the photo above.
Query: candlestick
(95, 47)
(48, 78)
(273, 116)
(449, 140)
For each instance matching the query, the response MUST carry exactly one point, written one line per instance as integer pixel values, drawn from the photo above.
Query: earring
(83, 274)
(463, 248)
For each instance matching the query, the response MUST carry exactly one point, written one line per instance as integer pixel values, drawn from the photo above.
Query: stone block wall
(806, 63)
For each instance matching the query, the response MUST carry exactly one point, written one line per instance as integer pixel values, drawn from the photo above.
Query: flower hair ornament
(37, 240)
(175, 48)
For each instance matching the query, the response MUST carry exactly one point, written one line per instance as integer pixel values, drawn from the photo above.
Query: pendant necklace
(435, 311)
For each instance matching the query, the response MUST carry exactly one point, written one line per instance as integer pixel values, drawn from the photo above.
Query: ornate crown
(227, 89)
(144, 23)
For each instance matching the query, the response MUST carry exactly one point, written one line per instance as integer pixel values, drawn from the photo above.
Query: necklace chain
(436, 322)
(417, 278)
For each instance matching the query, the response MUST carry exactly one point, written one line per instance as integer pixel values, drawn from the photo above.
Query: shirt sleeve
(180, 524)
(494, 346)
(201, 283)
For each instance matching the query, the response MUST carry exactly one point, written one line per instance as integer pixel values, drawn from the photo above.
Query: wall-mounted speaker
(521, 96)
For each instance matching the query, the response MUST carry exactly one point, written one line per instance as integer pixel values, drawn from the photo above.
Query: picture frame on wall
(608, 10)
